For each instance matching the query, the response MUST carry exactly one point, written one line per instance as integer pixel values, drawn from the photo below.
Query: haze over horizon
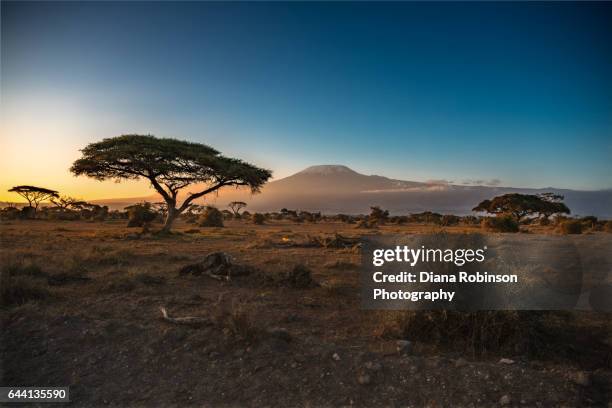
(485, 93)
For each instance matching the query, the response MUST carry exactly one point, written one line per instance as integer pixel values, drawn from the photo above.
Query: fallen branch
(218, 277)
(187, 320)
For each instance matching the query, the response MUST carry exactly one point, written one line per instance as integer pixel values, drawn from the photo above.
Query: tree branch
(195, 196)
(161, 190)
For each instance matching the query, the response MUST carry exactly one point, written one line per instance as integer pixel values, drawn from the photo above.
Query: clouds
(439, 182)
(494, 182)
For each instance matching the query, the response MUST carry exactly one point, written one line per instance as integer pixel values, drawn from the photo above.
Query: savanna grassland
(81, 307)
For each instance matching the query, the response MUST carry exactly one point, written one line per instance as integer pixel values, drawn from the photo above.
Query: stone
(581, 378)
(506, 361)
(404, 346)
(460, 362)
(505, 400)
(364, 379)
(373, 365)
(280, 333)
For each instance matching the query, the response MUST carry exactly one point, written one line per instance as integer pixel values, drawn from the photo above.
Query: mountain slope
(339, 189)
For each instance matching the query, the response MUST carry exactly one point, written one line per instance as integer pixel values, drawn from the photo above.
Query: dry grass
(239, 322)
(22, 283)
(570, 227)
(483, 332)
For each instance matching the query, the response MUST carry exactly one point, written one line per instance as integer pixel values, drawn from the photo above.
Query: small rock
(506, 361)
(505, 400)
(336, 357)
(460, 362)
(581, 378)
(374, 366)
(280, 333)
(404, 346)
(364, 379)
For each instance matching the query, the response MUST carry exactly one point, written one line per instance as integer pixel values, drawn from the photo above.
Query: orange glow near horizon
(40, 152)
(41, 133)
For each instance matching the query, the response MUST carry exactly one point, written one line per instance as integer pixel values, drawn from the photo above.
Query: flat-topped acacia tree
(34, 195)
(169, 165)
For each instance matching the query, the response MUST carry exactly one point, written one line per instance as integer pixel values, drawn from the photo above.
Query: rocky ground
(265, 338)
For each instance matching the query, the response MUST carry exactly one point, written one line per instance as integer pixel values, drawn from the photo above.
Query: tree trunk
(170, 217)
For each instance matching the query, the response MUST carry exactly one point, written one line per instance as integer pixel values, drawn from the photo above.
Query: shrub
(589, 221)
(570, 227)
(258, 218)
(239, 322)
(101, 214)
(448, 220)
(140, 215)
(211, 217)
(9, 213)
(426, 217)
(470, 220)
(24, 270)
(21, 289)
(299, 277)
(608, 226)
(501, 223)
(28, 213)
(366, 223)
(378, 216)
(544, 221)
(480, 332)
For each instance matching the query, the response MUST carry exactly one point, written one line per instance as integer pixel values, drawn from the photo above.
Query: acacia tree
(236, 206)
(552, 204)
(169, 165)
(523, 205)
(34, 195)
(66, 202)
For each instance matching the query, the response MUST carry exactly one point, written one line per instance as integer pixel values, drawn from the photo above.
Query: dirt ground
(98, 327)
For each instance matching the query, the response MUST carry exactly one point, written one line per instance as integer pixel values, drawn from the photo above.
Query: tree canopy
(523, 205)
(34, 195)
(169, 165)
(236, 206)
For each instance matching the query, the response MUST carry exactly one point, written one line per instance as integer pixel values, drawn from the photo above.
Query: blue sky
(520, 92)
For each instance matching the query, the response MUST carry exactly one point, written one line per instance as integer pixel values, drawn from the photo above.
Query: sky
(520, 93)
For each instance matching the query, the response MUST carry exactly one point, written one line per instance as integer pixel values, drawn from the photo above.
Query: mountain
(338, 189)
(336, 179)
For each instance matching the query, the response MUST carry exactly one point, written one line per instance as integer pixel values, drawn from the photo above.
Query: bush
(28, 213)
(544, 221)
(501, 223)
(608, 226)
(21, 284)
(366, 224)
(570, 227)
(140, 215)
(299, 277)
(470, 220)
(211, 217)
(480, 332)
(258, 218)
(589, 221)
(448, 220)
(19, 269)
(9, 213)
(239, 322)
(378, 216)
